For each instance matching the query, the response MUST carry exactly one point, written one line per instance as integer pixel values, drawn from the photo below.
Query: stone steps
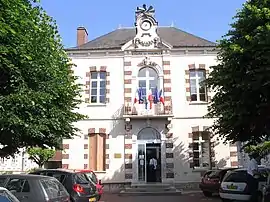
(150, 189)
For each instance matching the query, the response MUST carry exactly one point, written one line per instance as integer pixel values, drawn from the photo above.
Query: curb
(191, 192)
(177, 193)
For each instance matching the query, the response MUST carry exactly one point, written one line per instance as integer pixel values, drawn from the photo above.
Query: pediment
(131, 46)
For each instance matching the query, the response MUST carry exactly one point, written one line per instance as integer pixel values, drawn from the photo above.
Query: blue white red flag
(150, 98)
(136, 98)
(161, 96)
(140, 95)
(156, 96)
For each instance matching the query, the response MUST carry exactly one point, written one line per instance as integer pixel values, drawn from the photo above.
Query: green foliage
(38, 93)
(241, 105)
(39, 155)
(262, 149)
(6, 172)
(33, 170)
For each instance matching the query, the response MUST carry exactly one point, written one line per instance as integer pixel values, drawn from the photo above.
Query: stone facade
(180, 129)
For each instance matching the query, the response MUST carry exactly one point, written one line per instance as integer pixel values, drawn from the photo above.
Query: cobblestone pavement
(192, 197)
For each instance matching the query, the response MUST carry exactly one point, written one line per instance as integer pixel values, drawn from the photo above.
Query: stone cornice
(199, 51)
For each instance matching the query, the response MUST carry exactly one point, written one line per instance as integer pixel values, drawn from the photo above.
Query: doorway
(153, 172)
(148, 146)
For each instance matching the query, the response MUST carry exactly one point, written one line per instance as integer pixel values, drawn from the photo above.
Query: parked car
(93, 178)
(266, 191)
(237, 186)
(77, 184)
(7, 196)
(211, 181)
(33, 188)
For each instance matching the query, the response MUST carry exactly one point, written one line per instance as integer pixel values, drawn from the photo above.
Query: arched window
(148, 79)
(148, 133)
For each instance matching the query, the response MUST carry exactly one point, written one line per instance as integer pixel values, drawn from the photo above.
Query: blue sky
(209, 19)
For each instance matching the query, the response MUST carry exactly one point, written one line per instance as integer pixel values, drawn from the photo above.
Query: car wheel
(207, 194)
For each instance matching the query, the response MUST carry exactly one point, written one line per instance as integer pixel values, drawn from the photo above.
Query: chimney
(82, 36)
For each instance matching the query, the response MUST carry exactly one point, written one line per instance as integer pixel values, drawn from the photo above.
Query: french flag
(140, 96)
(136, 99)
(161, 97)
(156, 96)
(150, 98)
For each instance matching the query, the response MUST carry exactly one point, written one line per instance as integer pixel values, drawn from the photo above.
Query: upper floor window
(98, 87)
(148, 80)
(197, 87)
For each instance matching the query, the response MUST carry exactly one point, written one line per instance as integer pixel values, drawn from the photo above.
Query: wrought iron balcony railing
(143, 110)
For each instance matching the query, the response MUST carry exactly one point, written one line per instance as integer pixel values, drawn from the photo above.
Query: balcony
(140, 111)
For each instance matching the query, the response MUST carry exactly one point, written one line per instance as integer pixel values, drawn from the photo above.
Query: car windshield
(91, 176)
(81, 178)
(236, 176)
(214, 174)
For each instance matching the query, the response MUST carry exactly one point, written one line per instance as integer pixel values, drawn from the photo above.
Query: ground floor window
(97, 152)
(202, 152)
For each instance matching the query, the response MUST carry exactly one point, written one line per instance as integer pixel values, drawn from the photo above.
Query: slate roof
(175, 37)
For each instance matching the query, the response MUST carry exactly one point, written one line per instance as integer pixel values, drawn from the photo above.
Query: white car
(236, 186)
(7, 196)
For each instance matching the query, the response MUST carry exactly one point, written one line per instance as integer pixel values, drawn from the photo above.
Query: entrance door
(153, 173)
(141, 162)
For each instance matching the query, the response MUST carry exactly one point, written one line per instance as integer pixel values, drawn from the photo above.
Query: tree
(39, 155)
(241, 80)
(38, 93)
(262, 149)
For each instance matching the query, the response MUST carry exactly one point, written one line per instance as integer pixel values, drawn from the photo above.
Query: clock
(145, 25)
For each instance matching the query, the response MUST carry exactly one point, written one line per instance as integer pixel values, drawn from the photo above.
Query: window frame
(197, 83)
(201, 157)
(22, 187)
(147, 78)
(98, 87)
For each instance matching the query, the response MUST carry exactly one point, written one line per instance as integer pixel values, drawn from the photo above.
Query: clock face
(146, 25)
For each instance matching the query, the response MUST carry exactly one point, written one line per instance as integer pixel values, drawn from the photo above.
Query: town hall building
(144, 96)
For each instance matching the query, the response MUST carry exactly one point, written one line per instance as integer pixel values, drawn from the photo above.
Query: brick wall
(128, 86)
(128, 153)
(167, 86)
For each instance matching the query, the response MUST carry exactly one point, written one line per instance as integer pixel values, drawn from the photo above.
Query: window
(53, 188)
(81, 178)
(197, 87)
(98, 87)
(201, 149)
(18, 185)
(5, 194)
(148, 80)
(97, 152)
(92, 177)
(2, 181)
(60, 177)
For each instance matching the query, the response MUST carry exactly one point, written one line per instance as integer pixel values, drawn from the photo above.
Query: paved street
(198, 197)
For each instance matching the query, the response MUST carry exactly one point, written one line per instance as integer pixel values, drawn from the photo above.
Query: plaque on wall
(117, 155)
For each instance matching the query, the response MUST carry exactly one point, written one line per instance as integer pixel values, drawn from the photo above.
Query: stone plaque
(117, 156)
